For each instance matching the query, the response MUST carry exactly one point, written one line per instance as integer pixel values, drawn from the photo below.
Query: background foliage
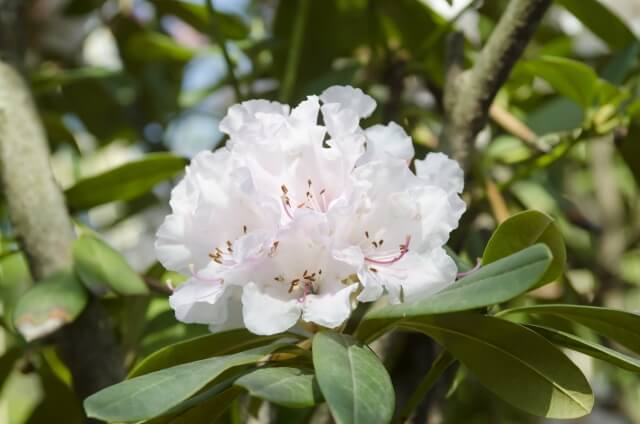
(128, 90)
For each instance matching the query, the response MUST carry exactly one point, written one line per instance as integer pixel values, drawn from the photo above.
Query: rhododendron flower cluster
(304, 213)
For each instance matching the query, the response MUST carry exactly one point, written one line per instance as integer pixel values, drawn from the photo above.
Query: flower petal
(329, 309)
(265, 313)
(201, 302)
(349, 98)
(437, 169)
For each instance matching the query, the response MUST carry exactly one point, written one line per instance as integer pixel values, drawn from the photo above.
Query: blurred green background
(128, 90)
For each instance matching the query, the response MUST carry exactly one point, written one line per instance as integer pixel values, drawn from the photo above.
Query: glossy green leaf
(620, 326)
(588, 348)
(290, 387)
(514, 362)
(156, 393)
(601, 21)
(352, 379)
(124, 182)
(525, 229)
(569, 78)
(49, 304)
(99, 265)
(491, 284)
(197, 348)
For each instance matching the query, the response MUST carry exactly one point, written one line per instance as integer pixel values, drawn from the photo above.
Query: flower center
(387, 257)
(302, 285)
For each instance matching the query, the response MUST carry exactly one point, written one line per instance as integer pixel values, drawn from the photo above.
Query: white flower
(294, 220)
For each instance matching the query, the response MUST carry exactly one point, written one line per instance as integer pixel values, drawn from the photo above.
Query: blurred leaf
(515, 363)
(354, 382)
(588, 348)
(570, 78)
(525, 229)
(620, 326)
(621, 63)
(47, 79)
(629, 148)
(59, 404)
(101, 267)
(230, 26)
(124, 182)
(556, 115)
(215, 344)
(50, 304)
(7, 362)
(290, 387)
(151, 46)
(491, 284)
(601, 21)
(81, 7)
(154, 394)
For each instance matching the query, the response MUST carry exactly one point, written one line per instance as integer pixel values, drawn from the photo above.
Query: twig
(513, 125)
(297, 38)
(220, 40)
(468, 95)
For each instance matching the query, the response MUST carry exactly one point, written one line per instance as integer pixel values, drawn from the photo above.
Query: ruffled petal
(329, 309)
(385, 141)
(266, 313)
(349, 98)
(437, 169)
(200, 302)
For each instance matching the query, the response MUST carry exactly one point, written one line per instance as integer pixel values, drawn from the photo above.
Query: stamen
(404, 248)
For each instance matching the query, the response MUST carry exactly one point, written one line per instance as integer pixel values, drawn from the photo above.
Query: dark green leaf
(588, 348)
(50, 304)
(620, 326)
(354, 382)
(621, 63)
(601, 21)
(99, 265)
(515, 363)
(290, 387)
(124, 182)
(525, 229)
(154, 46)
(216, 344)
(156, 393)
(491, 284)
(570, 78)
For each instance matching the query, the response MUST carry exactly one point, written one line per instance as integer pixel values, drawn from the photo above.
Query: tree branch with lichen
(468, 94)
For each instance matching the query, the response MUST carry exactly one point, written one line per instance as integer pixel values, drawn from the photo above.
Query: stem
(469, 94)
(219, 39)
(439, 366)
(297, 38)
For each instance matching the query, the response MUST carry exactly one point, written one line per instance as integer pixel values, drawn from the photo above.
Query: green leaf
(620, 326)
(515, 363)
(125, 182)
(155, 46)
(601, 21)
(491, 284)
(588, 348)
(352, 379)
(202, 347)
(525, 229)
(50, 304)
(629, 149)
(99, 265)
(621, 63)
(570, 78)
(156, 393)
(207, 411)
(290, 387)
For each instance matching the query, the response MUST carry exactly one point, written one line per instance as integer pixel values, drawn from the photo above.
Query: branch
(40, 220)
(469, 94)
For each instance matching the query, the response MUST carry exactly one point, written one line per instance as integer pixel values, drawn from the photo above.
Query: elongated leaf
(620, 326)
(124, 182)
(525, 229)
(352, 379)
(515, 363)
(601, 21)
(621, 63)
(206, 412)
(588, 348)
(99, 265)
(570, 78)
(495, 283)
(50, 304)
(290, 387)
(156, 393)
(202, 347)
